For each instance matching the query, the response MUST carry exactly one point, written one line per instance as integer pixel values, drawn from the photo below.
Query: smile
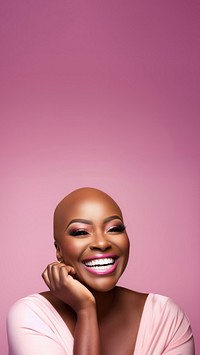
(101, 266)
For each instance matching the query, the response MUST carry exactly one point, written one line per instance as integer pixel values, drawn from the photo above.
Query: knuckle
(48, 268)
(53, 267)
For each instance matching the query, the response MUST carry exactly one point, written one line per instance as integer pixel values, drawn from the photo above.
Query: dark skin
(102, 317)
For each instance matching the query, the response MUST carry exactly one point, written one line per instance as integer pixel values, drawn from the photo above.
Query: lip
(109, 269)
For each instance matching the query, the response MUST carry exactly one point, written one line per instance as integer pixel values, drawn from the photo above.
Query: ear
(58, 252)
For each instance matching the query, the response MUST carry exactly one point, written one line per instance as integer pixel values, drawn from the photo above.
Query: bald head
(84, 203)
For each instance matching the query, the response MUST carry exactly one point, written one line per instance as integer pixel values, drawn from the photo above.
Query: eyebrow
(86, 221)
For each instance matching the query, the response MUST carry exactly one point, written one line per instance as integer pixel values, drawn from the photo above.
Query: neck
(104, 301)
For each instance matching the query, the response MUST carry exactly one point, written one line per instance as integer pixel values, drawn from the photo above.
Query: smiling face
(90, 236)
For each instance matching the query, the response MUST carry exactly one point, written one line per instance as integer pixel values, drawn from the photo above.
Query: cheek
(125, 248)
(70, 254)
(125, 244)
(72, 249)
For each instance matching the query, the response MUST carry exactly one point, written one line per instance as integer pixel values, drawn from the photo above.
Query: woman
(85, 313)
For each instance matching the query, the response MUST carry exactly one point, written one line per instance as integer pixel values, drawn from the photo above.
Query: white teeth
(102, 267)
(100, 262)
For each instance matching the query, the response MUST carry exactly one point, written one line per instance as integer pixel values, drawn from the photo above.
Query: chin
(101, 285)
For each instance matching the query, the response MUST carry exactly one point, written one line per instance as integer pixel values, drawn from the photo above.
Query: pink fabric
(35, 327)
(164, 329)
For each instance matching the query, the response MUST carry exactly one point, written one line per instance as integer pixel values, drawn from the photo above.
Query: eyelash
(77, 232)
(117, 229)
(81, 232)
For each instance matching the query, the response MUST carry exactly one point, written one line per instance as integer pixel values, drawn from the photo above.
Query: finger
(55, 275)
(66, 273)
(53, 271)
(52, 276)
(45, 277)
(71, 271)
(49, 277)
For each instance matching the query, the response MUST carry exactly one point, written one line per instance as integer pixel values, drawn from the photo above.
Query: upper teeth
(95, 262)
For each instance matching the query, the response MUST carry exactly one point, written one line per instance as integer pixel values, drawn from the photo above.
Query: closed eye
(117, 229)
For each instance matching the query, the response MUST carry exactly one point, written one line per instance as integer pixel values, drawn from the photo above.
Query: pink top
(35, 327)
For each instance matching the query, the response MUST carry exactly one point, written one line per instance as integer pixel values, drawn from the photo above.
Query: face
(92, 238)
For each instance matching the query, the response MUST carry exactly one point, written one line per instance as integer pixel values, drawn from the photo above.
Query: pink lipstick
(101, 264)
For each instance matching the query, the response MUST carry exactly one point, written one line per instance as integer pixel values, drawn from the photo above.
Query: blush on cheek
(71, 248)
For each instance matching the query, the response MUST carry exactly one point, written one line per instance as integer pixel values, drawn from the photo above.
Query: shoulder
(164, 316)
(21, 305)
(159, 305)
(158, 312)
(34, 326)
(164, 309)
(35, 313)
(165, 325)
(29, 302)
(30, 310)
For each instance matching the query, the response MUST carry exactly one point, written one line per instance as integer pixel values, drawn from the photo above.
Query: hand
(62, 284)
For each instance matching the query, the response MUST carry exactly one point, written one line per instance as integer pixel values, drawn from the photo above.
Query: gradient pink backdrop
(102, 94)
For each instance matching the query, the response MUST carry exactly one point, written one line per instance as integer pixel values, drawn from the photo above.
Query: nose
(100, 242)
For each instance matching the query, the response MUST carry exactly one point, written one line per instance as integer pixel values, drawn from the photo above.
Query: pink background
(103, 94)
